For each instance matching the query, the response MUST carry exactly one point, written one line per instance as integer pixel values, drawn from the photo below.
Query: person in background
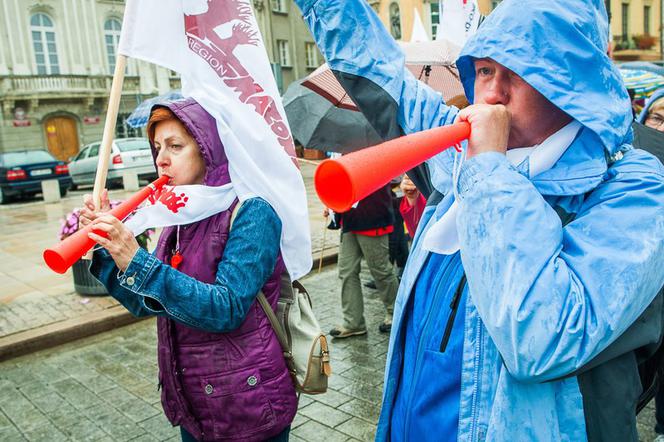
(399, 239)
(652, 114)
(412, 205)
(365, 230)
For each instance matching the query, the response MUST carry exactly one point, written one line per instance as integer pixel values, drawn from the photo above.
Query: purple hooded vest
(220, 386)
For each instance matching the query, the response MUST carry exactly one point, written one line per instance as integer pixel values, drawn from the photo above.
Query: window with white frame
(311, 55)
(435, 18)
(646, 19)
(625, 21)
(111, 39)
(43, 43)
(279, 6)
(284, 53)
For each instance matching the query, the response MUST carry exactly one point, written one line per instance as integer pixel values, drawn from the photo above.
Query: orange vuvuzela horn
(72, 248)
(343, 181)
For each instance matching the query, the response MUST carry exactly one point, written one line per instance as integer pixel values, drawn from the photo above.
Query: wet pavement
(104, 388)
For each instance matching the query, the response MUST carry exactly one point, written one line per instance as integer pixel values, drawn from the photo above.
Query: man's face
(534, 118)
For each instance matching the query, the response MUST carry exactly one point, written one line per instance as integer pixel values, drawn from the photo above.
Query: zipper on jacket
(477, 381)
(454, 306)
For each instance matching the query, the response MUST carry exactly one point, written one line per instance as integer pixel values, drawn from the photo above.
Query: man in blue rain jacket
(501, 306)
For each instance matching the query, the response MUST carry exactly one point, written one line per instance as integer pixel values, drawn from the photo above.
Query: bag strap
(265, 304)
(272, 317)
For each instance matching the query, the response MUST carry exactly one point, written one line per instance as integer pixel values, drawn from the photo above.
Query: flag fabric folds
(216, 47)
(459, 20)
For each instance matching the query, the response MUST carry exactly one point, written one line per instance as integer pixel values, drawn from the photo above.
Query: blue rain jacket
(542, 300)
(654, 97)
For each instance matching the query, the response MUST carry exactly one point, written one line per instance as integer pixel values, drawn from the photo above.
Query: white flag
(217, 48)
(460, 19)
(419, 33)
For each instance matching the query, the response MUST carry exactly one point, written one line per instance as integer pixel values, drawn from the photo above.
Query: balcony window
(284, 53)
(111, 39)
(279, 6)
(43, 43)
(311, 55)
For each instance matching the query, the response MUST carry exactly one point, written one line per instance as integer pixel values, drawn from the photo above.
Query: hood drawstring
(176, 259)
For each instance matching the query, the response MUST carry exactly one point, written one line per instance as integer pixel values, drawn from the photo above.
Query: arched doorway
(61, 137)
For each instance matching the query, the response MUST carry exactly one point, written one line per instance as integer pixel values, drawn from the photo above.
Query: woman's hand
(120, 241)
(88, 214)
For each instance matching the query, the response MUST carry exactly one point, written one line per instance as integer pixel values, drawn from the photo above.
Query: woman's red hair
(159, 115)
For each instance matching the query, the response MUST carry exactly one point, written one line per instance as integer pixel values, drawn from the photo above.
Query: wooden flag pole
(109, 131)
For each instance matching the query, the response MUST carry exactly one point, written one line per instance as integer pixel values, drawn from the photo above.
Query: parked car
(126, 154)
(21, 173)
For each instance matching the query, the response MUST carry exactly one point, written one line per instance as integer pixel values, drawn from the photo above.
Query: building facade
(56, 63)
(57, 58)
(636, 24)
(290, 47)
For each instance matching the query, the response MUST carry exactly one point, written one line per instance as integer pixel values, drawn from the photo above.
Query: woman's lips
(170, 179)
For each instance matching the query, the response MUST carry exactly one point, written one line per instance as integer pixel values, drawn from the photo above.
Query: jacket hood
(654, 97)
(559, 48)
(203, 128)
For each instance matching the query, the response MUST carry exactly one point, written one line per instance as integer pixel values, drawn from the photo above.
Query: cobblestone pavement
(32, 295)
(104, 388)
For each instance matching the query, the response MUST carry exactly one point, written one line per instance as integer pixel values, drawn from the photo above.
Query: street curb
(51, 335)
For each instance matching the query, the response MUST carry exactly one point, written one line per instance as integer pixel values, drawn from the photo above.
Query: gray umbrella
(317, 124)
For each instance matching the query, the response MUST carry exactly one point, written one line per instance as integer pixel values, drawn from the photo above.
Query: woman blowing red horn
(221, 369)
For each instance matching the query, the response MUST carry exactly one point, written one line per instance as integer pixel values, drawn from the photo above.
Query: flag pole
(109, 130)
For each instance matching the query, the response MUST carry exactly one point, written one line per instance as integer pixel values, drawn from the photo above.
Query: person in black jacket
(364, 234)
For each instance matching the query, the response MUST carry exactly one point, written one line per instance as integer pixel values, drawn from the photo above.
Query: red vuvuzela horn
(72, 248)
(343, 181)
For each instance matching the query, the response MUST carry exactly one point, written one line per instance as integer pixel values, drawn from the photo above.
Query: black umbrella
(317, 124)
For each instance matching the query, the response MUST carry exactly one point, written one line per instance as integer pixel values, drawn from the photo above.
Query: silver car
(126, 154)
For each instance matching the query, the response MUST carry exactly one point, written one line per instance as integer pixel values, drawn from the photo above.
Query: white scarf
(443, 236)
(180, 205)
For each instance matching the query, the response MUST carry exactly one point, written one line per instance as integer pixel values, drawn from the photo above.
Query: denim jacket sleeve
(248, 261)
(103, 268)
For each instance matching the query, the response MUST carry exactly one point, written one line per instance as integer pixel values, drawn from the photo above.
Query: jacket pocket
(238, 403)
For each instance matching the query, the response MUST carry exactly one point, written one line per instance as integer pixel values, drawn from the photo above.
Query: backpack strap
(265, 304)
(272, 317)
